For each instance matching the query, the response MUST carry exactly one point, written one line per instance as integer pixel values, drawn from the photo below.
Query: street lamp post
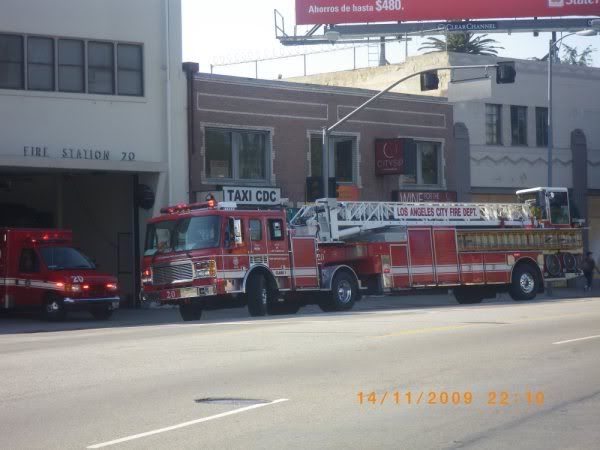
(552, 49)
(328, 130)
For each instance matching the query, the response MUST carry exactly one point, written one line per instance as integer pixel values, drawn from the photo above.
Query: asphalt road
(516, 375)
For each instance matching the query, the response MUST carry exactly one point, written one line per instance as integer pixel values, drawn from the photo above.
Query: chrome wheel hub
(527, 283)
(344, 291)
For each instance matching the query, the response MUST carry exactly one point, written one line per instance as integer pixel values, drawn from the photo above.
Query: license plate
(173, 294)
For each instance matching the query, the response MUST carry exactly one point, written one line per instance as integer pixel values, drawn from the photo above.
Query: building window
(101, 68)
(11, 62)
(518, 119)
(130, 72)
(40, 64)
(541, 126)
(343, 152)
(237, 155)
(422, 162)
(493, 124)
(71, 66)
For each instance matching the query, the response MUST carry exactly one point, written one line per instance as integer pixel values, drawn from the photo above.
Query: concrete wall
(150, 126)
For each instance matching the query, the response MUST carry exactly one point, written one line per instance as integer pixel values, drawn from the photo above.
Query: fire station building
(92, 136)
(255, 133)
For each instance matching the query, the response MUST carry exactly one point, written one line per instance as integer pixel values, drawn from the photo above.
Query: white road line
(575, 340)
(186, 424)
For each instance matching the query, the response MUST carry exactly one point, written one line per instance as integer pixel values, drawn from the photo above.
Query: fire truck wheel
(525, 283)
(101, 312)
(53, 308)
(257, 295)
(468, 296)
(190, 312)
(343, 295)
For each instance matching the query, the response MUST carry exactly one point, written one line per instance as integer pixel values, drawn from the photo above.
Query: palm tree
(576, 58)
(462, 43)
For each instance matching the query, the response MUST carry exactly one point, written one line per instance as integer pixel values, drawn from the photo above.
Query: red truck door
(422, 270)
(446, 256)
(304, 256)
(28, 284)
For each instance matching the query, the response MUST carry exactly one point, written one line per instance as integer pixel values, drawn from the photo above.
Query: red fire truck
(209, 255)
(41, 270)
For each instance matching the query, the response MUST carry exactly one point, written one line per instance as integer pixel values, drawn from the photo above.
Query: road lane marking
(576, 340)
(185, 424)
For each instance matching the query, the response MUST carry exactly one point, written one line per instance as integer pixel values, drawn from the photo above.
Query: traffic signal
(506, 73)
(430, 81)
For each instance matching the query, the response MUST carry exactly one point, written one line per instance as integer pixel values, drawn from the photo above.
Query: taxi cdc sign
(313, 12)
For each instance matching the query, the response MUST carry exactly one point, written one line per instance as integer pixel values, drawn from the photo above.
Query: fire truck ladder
(331, 221)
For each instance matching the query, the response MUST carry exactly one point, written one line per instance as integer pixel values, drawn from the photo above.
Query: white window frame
(441, 165)
(235, 180)
(356, 157)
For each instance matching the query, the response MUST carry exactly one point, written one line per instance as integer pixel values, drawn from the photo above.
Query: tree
(576, 58)
(462, 43)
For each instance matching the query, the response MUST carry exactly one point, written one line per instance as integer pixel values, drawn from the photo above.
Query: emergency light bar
(211, 204)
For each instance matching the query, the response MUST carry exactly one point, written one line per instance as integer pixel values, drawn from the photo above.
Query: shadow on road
(23, 323)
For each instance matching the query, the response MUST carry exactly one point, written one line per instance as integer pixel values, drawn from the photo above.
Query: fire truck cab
(40, 270)
(209, 256)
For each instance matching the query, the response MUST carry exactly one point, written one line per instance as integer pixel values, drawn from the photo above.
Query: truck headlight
(147, 276)
(205, 269)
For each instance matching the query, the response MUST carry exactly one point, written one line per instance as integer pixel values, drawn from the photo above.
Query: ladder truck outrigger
(216, 255)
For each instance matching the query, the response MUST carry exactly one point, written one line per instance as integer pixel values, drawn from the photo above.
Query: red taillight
(86, 287)
(60, 285)
(111, 286)
(45, 237)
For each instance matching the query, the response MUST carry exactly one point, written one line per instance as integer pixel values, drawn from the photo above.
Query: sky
(240, 30)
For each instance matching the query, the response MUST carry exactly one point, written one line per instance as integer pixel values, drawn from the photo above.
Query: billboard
(312, 12)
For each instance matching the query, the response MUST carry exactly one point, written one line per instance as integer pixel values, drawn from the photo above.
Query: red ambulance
(40, 270)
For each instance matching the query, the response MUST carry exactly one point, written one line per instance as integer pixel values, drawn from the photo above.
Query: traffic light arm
(328, 130)
(393, 85)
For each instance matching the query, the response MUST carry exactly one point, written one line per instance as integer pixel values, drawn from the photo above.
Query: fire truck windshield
(65, 258)
(192, 233)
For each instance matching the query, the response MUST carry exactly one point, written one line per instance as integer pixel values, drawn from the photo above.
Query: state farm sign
(389, 156)
(310, 12)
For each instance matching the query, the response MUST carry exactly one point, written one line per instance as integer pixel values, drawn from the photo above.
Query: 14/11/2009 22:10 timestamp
(453, 398)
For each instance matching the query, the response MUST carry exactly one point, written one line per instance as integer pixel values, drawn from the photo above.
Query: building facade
(92, 100)
(256, 133)
(505, 126)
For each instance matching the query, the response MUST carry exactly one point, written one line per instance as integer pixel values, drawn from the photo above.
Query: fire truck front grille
(172, 274)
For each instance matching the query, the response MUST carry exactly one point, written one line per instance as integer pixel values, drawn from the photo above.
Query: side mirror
(235, 232)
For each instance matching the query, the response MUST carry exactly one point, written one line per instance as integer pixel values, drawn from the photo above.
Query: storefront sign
(389, 156)
(252, 195)
(348, 193)
(424, 196)
(312, 12)
(89, 154)
(416, 212)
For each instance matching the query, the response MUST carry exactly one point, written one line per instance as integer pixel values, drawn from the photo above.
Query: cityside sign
(389, 156)
(311, 12)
